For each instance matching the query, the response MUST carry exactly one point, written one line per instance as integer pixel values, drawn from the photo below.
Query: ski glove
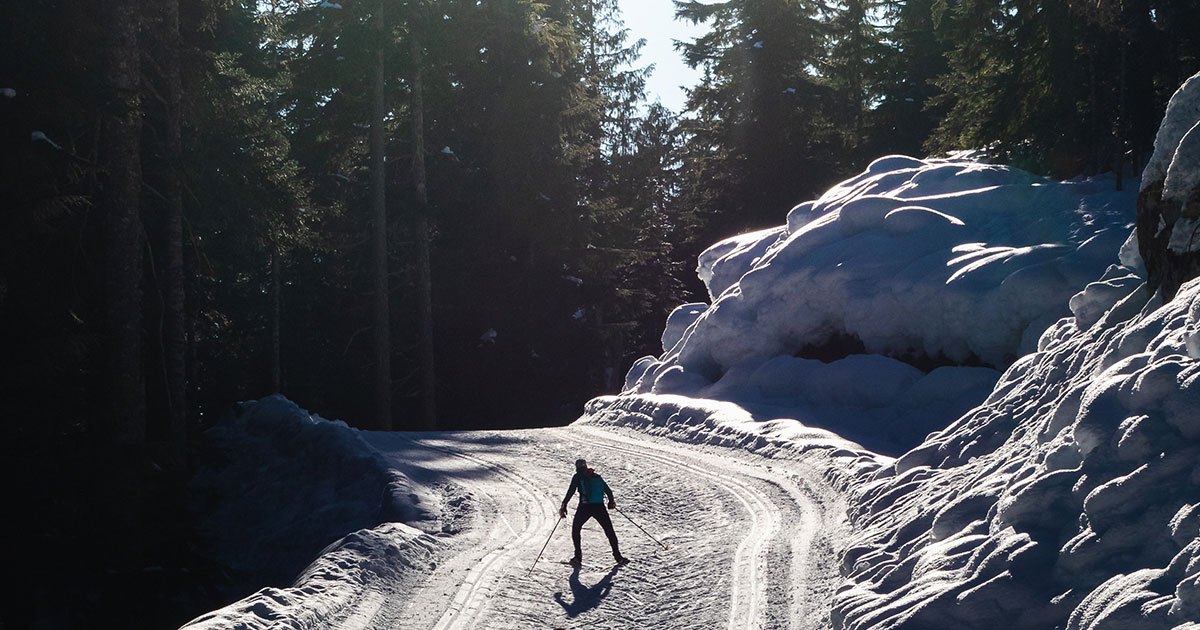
(612, 504)
(562, 512)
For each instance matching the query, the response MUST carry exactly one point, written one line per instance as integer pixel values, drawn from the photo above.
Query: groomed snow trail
(749, 538)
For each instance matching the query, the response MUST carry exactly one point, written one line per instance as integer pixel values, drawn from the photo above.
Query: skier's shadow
(584, 597)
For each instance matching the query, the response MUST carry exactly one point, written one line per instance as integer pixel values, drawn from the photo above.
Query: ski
(624, 562)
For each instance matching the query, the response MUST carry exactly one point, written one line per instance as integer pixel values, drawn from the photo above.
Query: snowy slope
(1070, 498)
(286, 487)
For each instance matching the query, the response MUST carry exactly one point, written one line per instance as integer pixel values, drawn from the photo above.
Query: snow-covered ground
(1007, 314)
(749, 534)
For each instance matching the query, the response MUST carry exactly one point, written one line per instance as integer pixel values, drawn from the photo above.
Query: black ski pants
(596, 511)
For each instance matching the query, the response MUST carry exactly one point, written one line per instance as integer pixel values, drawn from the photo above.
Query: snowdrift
(1070, 498)
(288, 487)
(909, 282)
(716, 423)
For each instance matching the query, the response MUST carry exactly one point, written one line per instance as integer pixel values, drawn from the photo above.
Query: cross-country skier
(591, 505)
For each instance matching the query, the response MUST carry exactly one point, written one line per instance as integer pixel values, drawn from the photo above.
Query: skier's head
(580, 465)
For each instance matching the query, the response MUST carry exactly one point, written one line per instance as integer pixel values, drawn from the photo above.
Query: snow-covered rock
(940, 262)
(1169, 200)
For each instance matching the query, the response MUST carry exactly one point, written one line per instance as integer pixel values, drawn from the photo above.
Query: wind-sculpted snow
(929, 262)
(1069, 499)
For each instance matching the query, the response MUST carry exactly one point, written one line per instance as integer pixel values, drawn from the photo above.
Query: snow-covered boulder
(931, 263)
(1169, 202)
(1069, 499)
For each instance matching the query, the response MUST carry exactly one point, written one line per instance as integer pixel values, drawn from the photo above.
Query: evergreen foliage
(1061, 87)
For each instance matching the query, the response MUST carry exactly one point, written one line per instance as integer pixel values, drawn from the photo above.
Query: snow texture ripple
(1068, 499)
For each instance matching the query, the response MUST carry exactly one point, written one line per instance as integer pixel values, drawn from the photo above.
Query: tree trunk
(174, 324)
(421, 229)
(276, 319)
(383, 339)
(122, 264)
(1122, 127)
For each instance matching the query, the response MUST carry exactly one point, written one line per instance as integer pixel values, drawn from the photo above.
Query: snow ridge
(725, 424)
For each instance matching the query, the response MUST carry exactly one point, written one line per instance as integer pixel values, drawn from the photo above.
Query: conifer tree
(913, 55)
(122, 243)
(852, 65)
(761, 134)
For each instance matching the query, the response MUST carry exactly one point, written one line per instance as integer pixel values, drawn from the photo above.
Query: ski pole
(641, 528)
(539, 557)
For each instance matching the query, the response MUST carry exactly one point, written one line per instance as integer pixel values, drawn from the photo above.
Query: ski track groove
(731, 514)
(469, 602)
(804, 586)
(746, 608)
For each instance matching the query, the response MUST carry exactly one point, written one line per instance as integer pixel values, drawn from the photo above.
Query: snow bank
(283, 485)
(1069, 499)
(338, 585)
(717, 423)
(930, 262)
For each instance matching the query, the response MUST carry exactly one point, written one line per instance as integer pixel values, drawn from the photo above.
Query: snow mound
(931, 262)
(1070, 498)
(870, 399)
(338, 585)
(283, 484)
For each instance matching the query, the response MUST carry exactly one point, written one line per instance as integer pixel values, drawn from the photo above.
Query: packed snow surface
(748, 515)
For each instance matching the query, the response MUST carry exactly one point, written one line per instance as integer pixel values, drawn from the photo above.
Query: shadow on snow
(584, 597)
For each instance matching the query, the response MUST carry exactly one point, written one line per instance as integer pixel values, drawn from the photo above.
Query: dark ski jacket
(591, 488)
